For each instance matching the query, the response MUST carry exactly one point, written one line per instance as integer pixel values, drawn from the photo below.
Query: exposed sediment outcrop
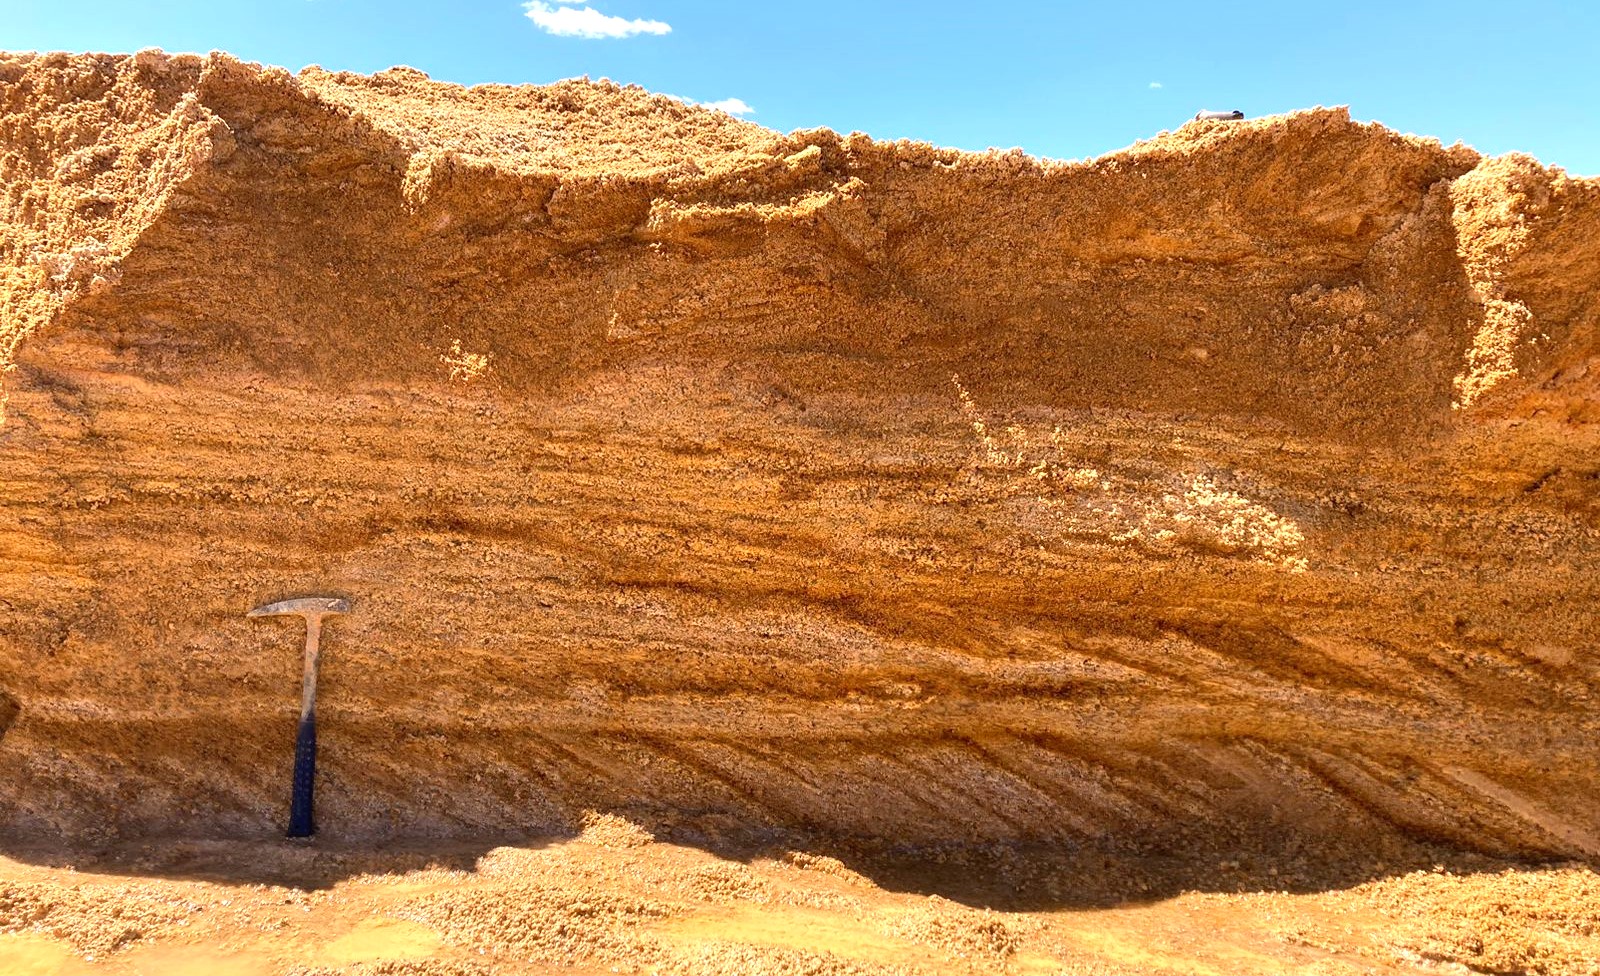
(1243, 479)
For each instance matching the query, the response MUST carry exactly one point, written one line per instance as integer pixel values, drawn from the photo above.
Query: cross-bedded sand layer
(1232, 496)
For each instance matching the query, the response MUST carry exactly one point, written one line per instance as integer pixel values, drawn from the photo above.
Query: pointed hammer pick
(313, 608)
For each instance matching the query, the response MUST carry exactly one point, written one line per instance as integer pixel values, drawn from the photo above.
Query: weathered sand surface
(1236, 495)
(612, 900)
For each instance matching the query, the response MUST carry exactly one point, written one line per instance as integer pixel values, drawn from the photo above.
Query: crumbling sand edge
(77, 221)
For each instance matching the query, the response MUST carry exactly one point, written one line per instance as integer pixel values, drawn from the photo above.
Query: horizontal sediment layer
(677, 467)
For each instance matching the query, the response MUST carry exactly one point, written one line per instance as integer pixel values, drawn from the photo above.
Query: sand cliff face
(1243, 480)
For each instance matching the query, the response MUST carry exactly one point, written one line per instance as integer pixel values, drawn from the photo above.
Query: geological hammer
(313, 608)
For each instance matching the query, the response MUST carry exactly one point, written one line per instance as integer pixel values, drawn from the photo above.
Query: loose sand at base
(613, 900)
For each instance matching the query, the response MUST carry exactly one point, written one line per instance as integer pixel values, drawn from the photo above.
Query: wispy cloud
(733, 106)
(574, 18)
(1155, 84)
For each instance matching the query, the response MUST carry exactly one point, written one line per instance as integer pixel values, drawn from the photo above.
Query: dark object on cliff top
(1232, 116)
(305, 747)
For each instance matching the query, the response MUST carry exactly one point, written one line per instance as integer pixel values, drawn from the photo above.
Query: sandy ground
(615, 900)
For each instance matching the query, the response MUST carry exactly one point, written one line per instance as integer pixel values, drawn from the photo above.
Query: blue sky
(1058, 79)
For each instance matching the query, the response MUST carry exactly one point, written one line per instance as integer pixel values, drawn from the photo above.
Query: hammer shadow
(310, 864)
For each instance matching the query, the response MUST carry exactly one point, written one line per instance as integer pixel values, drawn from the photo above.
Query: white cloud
(1155, 84)
(733, 106)
(571, 18)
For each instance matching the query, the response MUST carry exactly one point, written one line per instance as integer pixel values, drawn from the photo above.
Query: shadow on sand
(1106, 873)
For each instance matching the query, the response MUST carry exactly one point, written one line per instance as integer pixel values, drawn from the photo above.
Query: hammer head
(308, 607)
